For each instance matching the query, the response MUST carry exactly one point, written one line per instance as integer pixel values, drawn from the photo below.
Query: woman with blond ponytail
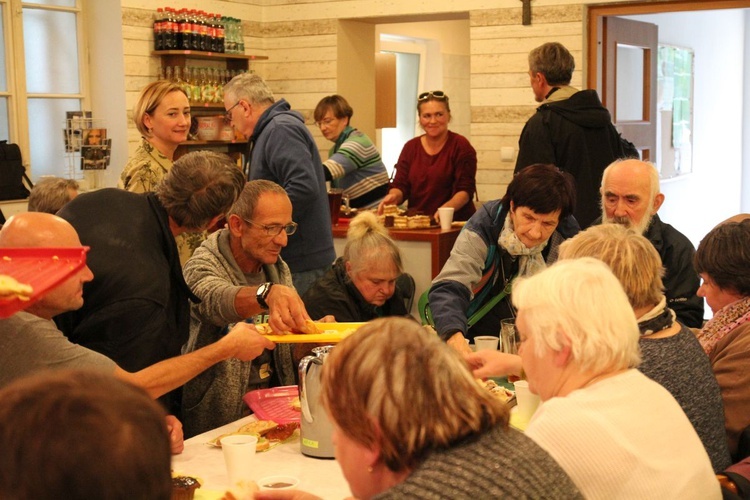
(361, 285)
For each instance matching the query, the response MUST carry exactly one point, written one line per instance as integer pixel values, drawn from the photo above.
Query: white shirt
(625, 437)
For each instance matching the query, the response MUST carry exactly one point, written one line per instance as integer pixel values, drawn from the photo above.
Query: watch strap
(262, 294)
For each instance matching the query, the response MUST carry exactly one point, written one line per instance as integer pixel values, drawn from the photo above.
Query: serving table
(322, 477)
(423, 252)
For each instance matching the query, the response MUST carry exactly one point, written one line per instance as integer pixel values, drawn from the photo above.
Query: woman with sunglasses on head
(354, 163)
(162, 116)
(436, 169)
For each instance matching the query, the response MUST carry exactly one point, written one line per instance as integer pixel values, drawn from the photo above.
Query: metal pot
(316, 428)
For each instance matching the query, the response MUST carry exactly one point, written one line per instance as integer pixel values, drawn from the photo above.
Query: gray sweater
(214, 398)
(679, 364)
(502, 463)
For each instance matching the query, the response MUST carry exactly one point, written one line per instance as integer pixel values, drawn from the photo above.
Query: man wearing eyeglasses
(281, 149)
(238, 274)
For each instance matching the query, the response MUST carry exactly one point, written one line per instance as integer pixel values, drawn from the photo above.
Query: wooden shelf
(196, 54)
(218, 108)
(210, 143)
(235, 62)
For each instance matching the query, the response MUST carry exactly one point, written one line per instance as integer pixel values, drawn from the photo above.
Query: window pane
(3, 76)
(46, 137)
(629, 101)
(51, 51)
(4, 133)
(59, 3)
(407, 83)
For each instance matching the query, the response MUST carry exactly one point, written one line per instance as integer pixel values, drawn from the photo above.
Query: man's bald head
(37, 229)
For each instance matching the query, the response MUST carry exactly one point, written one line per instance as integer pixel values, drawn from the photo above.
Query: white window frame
(18, 120)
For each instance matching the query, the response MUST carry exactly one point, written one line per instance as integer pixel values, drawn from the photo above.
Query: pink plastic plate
(274, 404)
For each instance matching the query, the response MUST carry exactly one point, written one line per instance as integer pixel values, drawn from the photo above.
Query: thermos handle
(303, 366)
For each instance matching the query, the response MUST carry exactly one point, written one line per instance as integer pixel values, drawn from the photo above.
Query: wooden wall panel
(300, 39)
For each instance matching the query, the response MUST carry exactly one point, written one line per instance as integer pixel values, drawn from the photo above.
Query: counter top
(339, 231)
(440, 241)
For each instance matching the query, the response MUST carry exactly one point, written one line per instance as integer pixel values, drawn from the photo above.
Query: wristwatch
(262, 294)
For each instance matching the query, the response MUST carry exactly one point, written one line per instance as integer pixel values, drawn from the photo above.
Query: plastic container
(209, 127)
(41, 268)
(274, 404)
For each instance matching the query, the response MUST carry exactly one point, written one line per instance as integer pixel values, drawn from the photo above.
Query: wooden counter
(423, 251)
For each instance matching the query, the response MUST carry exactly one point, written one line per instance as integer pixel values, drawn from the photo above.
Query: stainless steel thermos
(315, 428)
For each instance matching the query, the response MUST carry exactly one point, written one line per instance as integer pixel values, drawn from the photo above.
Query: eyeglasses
(437, 94)
(275, 229)
(228, 114)
(325, 122)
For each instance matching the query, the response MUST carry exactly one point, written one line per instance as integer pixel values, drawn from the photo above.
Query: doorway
(719, 185)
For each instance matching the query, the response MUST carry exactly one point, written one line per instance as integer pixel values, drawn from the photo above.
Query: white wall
(697, 202)
(103, 20)
(448, 63)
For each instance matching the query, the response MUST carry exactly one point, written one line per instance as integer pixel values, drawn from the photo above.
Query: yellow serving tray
(333, 333)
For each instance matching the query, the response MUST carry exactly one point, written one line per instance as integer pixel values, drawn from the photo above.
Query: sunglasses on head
(437, 94)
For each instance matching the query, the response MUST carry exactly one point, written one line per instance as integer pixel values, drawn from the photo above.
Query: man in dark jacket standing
(281, 149)
(571, 129)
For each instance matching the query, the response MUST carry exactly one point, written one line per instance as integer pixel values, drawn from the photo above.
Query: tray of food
(315, 333)
(280, 404)
(26, 274)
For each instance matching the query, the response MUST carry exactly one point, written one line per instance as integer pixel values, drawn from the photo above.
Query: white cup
(446, 217)
(527, 401)
(486, 343)
(239, 452)
(278, 483)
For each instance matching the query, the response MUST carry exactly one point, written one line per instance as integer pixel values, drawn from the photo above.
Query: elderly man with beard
(631, 197)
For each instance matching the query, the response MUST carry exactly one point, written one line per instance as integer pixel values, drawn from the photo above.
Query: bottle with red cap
(158, 27)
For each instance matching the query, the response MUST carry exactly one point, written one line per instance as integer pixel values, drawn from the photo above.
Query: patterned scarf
(530, 260)
(726, 320)
(657, 319)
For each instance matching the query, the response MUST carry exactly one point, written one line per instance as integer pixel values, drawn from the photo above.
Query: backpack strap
(490, 304)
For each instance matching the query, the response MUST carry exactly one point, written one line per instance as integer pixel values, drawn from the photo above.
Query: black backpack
(12, 173)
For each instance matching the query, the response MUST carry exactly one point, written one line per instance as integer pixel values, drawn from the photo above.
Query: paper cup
(527, 401)
(278, 483)
(446, 217)
(486, 343)
(239, 453)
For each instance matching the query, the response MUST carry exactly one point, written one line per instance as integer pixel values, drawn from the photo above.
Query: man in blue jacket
(281, 149)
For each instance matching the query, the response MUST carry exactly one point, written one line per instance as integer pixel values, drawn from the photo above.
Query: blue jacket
(282, 150)
(477, 270)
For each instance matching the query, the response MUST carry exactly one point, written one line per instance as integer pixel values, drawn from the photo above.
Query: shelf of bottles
(203, 85)
(197, 30)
